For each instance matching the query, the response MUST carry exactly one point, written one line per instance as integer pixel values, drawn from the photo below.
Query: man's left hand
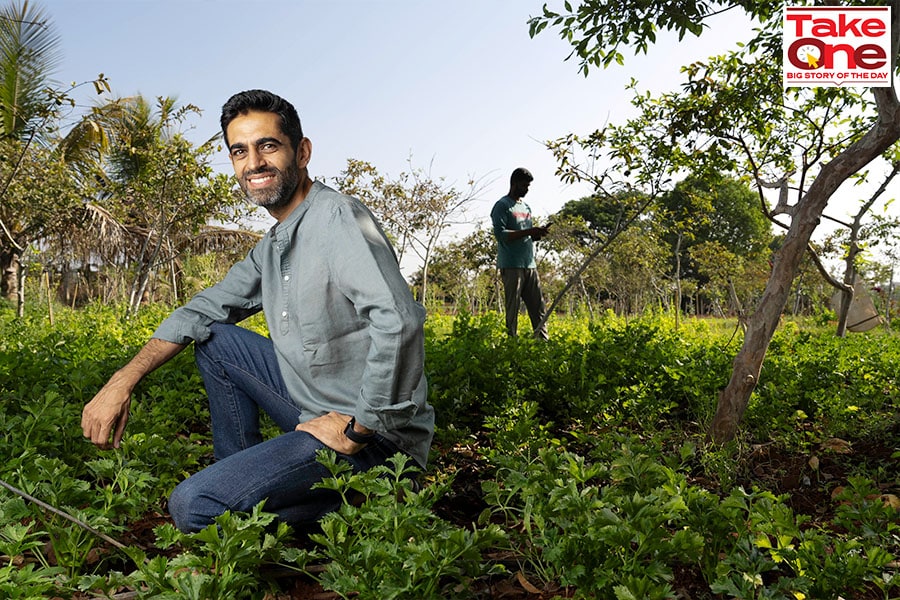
(539, 232)
(329, 429)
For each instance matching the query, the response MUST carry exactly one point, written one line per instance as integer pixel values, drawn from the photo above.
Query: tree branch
(63, 514)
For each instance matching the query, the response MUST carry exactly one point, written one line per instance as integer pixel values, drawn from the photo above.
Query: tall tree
(729, 210)
(602, 215)
(713, 212)
(414, 208)
(625, 193)
(734, 113)
(161, 191)
(854, 246)
(33, 164)
(464, 272)
(598, 238)
(636, 272)
(29, 53)
(38, 196)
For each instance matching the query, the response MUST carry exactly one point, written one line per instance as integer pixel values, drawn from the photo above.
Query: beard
(280, 193)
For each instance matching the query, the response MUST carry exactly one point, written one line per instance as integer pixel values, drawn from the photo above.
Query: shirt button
(287, 277)
(284, 315)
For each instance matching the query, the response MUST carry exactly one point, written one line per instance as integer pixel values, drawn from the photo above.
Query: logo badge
(829, 46)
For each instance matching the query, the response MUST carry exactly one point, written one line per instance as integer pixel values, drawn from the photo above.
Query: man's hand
(106, 415)
(329, 429)
(538, 232)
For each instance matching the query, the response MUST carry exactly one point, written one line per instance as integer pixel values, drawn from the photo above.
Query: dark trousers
(523, 284)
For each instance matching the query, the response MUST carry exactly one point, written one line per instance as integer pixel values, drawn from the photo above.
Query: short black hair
(263, 101)
(521, 174)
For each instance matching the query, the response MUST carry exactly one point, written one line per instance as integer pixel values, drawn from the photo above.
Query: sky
(457, 89)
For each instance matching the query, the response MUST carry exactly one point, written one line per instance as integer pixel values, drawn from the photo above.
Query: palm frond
(30, 51)
(212, 238)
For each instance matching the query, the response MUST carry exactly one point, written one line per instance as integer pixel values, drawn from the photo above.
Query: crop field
(574, 468)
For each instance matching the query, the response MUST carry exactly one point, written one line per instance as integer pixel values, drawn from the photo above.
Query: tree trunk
(20, 296)
(889, 299)
(762, 324)
(848, 289)
(173, 271)
(10, 264)
(678, 279)
(424, 289)
(587, 299)
(49, 297)
(849, 281)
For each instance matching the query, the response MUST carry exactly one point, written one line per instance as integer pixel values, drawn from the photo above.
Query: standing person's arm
(535, 232)
(502, 232)
(107, 413)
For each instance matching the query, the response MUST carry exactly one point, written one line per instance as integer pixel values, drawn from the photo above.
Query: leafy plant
(587, 449)
(392, 545)
(222, 561)
(21, 577)
(602, 529)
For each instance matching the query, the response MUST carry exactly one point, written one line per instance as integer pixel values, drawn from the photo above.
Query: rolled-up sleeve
(231, 300)
(367, 273)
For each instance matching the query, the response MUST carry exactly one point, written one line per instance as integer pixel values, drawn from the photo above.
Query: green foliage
(27, 573)
(597, 29)
(775, 556)
(159, 182)
(392, 545)
(31, 51)
(614, 369)
(221, 561)
(462, 272)
(830, 384)
(595, 479)
(47, 373)
(603, 215)
(602, 529)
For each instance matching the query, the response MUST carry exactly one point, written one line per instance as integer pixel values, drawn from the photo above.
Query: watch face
(810, 54)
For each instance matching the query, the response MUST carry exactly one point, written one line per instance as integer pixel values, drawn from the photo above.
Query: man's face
(266, 166)
(520, 187)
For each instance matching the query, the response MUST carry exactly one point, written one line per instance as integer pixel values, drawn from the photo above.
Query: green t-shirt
(511, 215)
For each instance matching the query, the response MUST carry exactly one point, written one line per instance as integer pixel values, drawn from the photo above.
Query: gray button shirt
(347, 332)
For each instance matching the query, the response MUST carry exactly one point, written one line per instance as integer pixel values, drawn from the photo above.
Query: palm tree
(159, 192)
(29, 53)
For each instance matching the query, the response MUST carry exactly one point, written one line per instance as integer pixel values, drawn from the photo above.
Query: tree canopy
(732, 115)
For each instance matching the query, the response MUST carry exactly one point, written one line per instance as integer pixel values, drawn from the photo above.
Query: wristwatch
(355, 436)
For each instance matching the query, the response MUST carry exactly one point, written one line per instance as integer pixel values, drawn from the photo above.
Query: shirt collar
(294, 218)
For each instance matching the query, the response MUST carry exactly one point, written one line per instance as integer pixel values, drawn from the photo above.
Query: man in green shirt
(516, 235)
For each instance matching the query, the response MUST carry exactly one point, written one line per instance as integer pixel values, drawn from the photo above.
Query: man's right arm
(503, 233)
(536, 233)
(107, 413)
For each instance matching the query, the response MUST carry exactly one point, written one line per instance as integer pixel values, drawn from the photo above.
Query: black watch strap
(355, 436)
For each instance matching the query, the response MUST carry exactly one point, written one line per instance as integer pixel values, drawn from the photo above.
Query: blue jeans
(241, 375)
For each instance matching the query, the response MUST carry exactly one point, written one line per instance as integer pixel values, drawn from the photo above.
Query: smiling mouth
(260, 179)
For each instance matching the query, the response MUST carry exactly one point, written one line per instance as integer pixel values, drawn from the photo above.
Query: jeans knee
(217, 332)
(183, 503)
(178, 507)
